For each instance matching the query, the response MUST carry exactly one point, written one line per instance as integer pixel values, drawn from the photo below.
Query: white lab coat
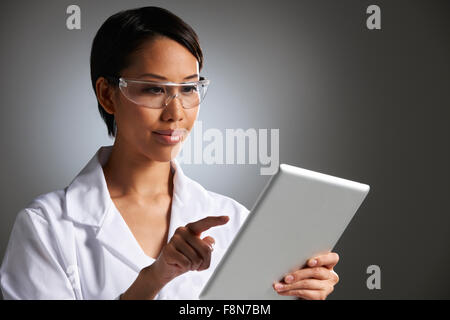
(73, 243)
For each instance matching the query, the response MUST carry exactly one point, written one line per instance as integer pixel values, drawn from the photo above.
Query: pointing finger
(204, 224)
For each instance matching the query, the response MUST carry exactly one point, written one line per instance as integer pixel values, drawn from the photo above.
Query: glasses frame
(122, 82)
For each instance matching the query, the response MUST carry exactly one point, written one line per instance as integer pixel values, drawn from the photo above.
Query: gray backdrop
(370, 106)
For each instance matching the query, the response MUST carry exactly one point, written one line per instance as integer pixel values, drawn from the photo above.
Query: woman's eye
(189, 89)
(153, 90)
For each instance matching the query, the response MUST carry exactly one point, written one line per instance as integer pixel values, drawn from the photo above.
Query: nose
(170, 98)
(173, 109)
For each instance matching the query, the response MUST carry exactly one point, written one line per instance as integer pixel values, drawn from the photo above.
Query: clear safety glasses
(157, 95)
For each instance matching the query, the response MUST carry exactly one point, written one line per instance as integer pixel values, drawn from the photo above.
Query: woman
(131, 225)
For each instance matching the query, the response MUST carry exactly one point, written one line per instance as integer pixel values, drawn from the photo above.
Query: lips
(171, 132)
(171, 136)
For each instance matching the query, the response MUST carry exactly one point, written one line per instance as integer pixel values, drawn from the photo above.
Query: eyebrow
(164, 78)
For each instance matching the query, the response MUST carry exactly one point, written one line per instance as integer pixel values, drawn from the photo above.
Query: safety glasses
(157, 95)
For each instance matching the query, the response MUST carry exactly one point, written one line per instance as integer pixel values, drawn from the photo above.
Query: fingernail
(313, 262)
(289, 279)
(278, 286)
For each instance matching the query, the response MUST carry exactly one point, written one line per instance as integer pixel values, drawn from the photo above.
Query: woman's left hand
(315, 281)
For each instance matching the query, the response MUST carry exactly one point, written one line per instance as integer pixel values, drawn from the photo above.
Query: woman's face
(136, 124)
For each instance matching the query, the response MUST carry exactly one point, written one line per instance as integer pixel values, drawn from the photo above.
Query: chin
(164, 153)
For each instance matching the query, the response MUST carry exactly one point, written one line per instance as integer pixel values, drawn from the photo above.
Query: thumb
(210, 241)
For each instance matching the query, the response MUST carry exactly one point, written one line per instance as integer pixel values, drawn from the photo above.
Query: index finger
(204, 224)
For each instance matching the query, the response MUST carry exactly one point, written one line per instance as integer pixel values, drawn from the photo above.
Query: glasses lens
(158, 96)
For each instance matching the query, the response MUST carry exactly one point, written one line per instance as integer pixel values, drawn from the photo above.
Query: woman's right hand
(184, 252)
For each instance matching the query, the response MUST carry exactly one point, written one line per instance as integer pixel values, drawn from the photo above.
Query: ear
(105, 94)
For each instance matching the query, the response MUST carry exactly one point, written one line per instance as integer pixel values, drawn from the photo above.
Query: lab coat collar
(87, 197)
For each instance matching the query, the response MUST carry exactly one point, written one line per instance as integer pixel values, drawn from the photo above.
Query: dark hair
(122, 33)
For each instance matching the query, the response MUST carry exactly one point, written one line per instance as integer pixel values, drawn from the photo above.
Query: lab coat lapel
(180, 198)
(86, 196)
(116, 237)
(89, 203)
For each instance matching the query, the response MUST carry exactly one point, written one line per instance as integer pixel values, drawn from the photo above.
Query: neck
(129, 173)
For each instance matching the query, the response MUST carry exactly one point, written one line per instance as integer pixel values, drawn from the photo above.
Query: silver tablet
(299, 214)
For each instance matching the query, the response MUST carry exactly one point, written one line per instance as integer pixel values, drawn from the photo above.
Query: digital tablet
(299, 214)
